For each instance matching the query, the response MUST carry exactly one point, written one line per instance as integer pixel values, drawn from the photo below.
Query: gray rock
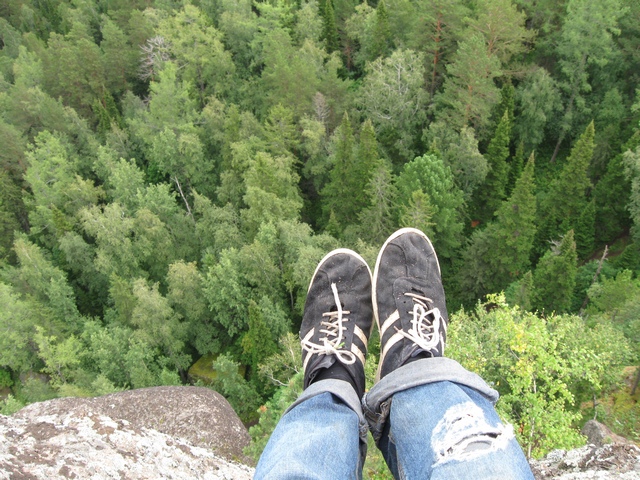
(170, 432)
(199, 415)
(616, 461)
(599, 434)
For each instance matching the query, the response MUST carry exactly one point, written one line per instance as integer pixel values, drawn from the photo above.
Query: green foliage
(554, 276)
(537, 99)
(329, 29)
(494, 189)
(500, 253)
(543, 368)
(165, 169)
(460, 153)
(566, 198)
(469, 92)
(10, 405)
(429, 175)
(240, 394)
(631, 162)
(392, 97)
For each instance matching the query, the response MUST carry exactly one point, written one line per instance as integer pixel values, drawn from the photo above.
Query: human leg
(430, 417)
(323, 434)
(319, 438)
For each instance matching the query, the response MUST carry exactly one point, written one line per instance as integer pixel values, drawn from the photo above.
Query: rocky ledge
(162, 432)
(192, 432)
(607, 457)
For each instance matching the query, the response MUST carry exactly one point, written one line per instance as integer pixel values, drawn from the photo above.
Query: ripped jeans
(431, 419)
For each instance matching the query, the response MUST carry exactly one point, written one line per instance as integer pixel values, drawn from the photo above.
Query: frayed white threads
(464, 434)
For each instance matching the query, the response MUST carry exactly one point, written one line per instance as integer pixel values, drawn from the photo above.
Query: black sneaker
(338, 319)
(408, 301)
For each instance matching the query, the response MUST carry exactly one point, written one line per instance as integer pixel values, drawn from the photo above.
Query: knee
(464, 433)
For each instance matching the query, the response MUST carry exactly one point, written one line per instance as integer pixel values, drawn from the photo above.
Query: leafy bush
(542, 367)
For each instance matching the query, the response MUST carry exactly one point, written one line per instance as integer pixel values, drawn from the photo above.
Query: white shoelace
(334, 328)
(423, 332)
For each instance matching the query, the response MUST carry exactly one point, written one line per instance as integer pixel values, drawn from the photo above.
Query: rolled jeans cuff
(345, 393)
(376, 403)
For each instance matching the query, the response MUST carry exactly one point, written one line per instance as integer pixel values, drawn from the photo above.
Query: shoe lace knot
(333, 328)
(425, 323)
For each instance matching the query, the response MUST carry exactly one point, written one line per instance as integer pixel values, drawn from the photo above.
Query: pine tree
(494, 190)
(555, 276)
(376, 219)
(430, 175)
(339, 193)
(499, 254)
(585, 230)
(517, 163)
(519, 293)
(567, 195)
(382, 38)
(329, 29)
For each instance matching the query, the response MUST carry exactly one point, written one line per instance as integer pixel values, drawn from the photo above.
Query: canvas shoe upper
(408, 300)
(338, 317)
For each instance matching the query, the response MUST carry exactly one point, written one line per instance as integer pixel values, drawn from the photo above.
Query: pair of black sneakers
(405, 296)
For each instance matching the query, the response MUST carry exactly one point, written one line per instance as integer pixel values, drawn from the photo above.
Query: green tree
(393, 99)
(585, 231)
(566, 198)
(196, 48)
(439, 27)
(329, 29)
(377, 218)
(157, 325)
(39, 280)
(554, 276)
(272, 192)
(537, 99)
(499, 254)
(503, 28)
(429, 175)
(459, 151)
(17, 323)
(119, 58)
(494, 190)
(382, 39)
(469, 92)
(543, 368)
(58, 192)
(586, 40)
(343, 186)
(631, 162)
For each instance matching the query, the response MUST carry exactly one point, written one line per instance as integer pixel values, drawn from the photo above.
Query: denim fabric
(446, 431)
(436, 425)
(317, 439)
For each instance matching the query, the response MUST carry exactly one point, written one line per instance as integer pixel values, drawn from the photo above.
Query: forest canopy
(172, 171)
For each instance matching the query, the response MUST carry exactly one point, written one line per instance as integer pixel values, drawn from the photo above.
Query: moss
(204, 372)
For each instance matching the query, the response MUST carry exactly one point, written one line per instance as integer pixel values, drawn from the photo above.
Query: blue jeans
(427, 427)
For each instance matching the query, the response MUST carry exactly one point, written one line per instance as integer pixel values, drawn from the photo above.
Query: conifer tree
(382, 38)
(376, 219)
(567, 195)
(430, 175)
(329, 29)
(495, 186)
(499, 254)
(585, 230)
(341, 189)
(517, 164)
(506, 104)
(555, 276)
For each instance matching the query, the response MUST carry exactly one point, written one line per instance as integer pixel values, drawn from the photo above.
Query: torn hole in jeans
(464, 434)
